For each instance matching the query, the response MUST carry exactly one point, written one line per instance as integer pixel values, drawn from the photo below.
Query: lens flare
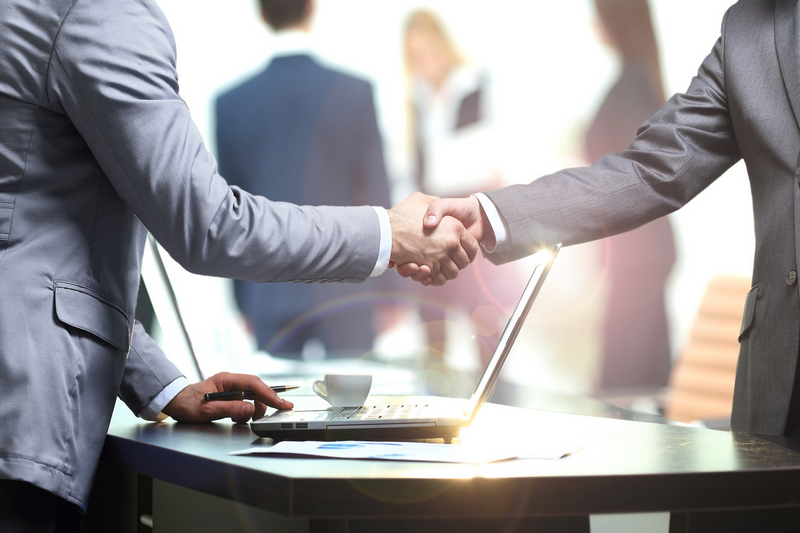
(340, 305)
(487, 320)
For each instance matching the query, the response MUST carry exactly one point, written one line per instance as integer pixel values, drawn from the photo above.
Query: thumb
(463, 209)
(239, 412)
(436, 211)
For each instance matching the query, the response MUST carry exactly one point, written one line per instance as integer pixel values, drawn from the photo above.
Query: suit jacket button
(791, 277)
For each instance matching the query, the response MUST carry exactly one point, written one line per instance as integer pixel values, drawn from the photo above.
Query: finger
(229, 381)
(449, 269)
(439, 279)
(241, 413)
(434, 213)
(423, 274)
(260, 410)
(460, 257)
(456, 258)
(425, 281)
(238, 411)
(455, 207)
(267, 396)
(420, 277)
(407, 270)
(470, 245)
(453, 244)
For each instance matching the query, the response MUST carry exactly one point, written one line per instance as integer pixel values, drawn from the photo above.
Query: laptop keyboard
(384, 412)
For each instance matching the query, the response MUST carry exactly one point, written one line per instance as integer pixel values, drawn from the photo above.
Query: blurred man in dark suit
(303, 133)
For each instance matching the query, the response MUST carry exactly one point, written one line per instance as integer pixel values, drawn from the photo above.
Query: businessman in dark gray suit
(97, 148)
(303, 133)
(744, 103)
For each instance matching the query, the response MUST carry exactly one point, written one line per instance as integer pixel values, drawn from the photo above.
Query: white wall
(549, 74)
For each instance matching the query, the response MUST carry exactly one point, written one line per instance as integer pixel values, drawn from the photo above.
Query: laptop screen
(486, 384)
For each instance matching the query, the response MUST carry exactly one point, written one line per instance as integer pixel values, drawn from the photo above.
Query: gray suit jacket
(96, 148)
(744, 102)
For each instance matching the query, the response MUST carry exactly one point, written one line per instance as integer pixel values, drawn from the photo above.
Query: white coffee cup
(343, 390)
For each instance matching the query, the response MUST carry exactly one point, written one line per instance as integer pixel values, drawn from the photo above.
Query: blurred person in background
(304, 133)
(453, 151)
(636, 350)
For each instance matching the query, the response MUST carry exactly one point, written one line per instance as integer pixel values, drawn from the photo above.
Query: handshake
(433, 238)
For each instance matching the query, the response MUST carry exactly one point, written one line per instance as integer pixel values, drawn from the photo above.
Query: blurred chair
(702, 379)
(701, 382)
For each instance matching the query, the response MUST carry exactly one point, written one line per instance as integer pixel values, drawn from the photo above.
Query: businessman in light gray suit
(97, 148)
(743, 103)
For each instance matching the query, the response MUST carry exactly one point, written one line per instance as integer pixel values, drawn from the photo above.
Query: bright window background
(549, 74)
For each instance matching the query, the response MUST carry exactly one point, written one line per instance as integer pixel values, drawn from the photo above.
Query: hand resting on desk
(189, 405)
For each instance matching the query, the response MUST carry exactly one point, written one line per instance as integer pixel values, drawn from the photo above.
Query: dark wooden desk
(623, 467)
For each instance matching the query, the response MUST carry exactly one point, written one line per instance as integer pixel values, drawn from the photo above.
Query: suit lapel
(787, 43)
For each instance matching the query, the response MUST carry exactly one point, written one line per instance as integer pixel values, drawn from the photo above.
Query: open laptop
(413, 420)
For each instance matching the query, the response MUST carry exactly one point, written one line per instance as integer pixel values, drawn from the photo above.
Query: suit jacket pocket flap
(6, 210)
(749, 312)
(85, 309)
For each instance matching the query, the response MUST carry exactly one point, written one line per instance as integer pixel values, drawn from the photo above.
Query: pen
(243, 394)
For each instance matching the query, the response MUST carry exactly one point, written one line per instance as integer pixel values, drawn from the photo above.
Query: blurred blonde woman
(452, 155)
(448, 112)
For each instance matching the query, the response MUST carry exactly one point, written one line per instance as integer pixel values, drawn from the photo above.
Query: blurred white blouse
(455, 133)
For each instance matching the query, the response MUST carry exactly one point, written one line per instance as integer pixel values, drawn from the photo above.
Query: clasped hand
(432, 239)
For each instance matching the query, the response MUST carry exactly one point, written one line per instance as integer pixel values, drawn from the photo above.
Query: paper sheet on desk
(404, 451)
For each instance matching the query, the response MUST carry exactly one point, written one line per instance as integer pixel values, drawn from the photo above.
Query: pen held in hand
(243, 394)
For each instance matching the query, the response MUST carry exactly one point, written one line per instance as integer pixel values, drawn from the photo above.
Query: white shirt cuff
(498, 224)
(385, 251)
(152, 410)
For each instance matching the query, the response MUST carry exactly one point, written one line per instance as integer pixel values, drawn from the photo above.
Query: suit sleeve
(679, 152)
(113, 73)
(227, 161)
(147, 371)
(224, 159)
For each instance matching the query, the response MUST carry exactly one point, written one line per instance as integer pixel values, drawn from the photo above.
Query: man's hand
(440, 251)
(189, 405)
(468, 211)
